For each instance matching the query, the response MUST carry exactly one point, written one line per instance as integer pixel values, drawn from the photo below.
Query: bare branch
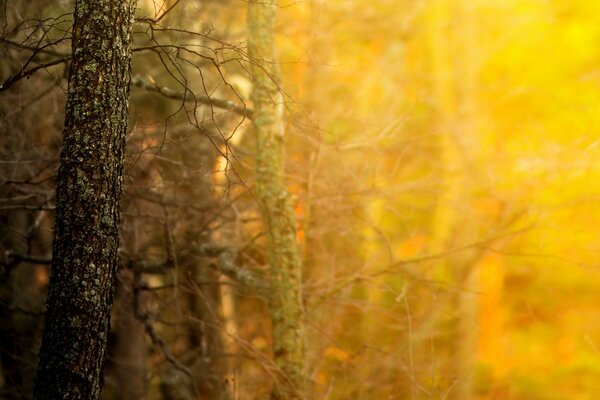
(25, 73)
(142, 83)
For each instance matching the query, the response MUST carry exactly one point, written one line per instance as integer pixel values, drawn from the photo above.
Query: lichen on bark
(285, 299)
(88, 189)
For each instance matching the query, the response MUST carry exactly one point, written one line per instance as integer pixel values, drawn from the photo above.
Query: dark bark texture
(86, 236)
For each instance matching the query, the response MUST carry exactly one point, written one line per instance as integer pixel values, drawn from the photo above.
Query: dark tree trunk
(130, 347)
(20, 302)
(86, 236)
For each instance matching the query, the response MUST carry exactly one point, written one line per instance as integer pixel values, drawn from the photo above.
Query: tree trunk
(205, 336)
(130, 345)
(285, 301)
(21, 298)
(455, 224)
(86, 236)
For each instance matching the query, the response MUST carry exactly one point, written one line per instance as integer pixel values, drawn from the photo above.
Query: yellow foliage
(411, 247)
(337, 354)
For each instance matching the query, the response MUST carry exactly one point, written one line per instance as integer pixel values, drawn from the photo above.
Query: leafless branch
(145, 84)
(25, 73)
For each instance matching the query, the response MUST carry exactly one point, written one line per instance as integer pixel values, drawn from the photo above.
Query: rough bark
(274, 203)
(86, 236)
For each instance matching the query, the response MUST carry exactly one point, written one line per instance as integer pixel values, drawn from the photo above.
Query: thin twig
(187, 96)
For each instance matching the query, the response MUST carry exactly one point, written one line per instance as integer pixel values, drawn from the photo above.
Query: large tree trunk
(274, 203)
(86, 236)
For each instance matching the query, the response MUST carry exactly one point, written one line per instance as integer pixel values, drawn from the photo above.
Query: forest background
(442, 161)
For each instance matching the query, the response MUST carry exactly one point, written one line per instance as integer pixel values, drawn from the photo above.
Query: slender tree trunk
(274, 203)
(467, 277)
(206, 337)
(86, 236)
(21, 299)
(130, 345)
(454, 84)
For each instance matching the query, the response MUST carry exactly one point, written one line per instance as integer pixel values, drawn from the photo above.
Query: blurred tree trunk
(89, 181)
(274, 203)
(205, 336)
(452, 41)
(23, 285)
(130, 344)
(469, 228)
(317, 57)
(444, 216)
(204, 300)
(21, 300)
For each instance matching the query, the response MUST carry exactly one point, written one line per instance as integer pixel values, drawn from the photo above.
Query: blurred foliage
(532, 171)
(442, 155)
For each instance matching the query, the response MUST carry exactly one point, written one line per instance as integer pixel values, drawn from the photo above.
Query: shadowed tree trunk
(285, 301)
(20, 313)
(86, 236)
(130, 347)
